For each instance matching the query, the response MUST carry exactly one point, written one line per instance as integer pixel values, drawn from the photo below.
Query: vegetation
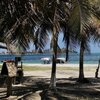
(25, 21)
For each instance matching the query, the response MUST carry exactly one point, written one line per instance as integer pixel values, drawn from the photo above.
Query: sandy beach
(63, 70)
(66, 77)
(36, 80)
(68, 70)
(60, 65)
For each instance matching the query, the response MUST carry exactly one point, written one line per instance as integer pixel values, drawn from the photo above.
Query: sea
(91, 58)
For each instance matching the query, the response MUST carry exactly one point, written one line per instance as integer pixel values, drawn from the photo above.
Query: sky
(95, 48)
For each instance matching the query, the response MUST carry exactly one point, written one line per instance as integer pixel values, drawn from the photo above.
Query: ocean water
(36, 58)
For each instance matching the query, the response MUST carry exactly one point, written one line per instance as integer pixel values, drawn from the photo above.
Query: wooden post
(9, 86)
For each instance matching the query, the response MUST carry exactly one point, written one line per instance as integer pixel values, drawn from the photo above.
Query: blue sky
(95, 48)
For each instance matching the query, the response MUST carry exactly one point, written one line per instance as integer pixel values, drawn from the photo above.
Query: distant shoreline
(36, 58)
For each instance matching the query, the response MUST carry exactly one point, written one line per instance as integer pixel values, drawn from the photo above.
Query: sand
(67, 89)
(60, 65)
(89, 70)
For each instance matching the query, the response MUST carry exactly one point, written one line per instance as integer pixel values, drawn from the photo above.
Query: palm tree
(73, 26)
(85, 12)
(17, 21)
(70, 26)
(50, 23)
(77, 27)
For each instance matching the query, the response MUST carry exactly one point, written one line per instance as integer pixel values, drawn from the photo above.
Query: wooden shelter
(8, 68)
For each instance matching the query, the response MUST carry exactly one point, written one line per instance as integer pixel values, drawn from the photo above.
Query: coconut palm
(17, 21)
(51, 24)
(85, 12)
(11, 18)
(70, 26)
(22, 21)
(77, 27)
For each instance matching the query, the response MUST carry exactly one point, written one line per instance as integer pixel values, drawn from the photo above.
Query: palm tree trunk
(81, 69)
(53, 73)
(81, 78)
(67, 49)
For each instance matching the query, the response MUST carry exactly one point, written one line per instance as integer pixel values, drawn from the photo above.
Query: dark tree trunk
(81, 70)
(67, 49)
(81, 78)
(53, 73)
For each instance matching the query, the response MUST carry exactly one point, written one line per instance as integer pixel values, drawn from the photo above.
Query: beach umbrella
(46, 60)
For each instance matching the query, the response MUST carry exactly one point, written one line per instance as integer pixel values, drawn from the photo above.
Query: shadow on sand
(32, 88)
